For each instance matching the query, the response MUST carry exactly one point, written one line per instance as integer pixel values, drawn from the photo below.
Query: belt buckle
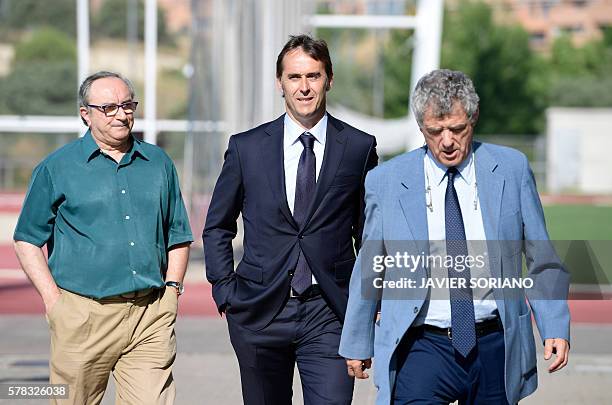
(449, 333)
(292, 293)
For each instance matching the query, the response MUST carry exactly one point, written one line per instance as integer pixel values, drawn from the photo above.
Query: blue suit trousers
(430, 371)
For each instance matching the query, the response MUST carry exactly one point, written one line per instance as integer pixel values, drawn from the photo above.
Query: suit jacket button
(300, 236)
(290, 272)
(415, 310)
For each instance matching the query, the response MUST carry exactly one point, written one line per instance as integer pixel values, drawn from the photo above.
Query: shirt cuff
(23, 237)
(174, 240)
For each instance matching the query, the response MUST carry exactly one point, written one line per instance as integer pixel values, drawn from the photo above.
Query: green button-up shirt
(108, 226)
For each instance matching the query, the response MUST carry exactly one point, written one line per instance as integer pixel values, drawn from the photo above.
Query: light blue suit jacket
(511, 211)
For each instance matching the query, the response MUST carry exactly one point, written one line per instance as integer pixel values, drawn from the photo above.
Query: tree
(500, 62)
(352, 80)
(111, 21)
(43, 76)
(397, 57)
(497, 58)
(45, 45)
(354, 77)
(580, 75)
(31, 14)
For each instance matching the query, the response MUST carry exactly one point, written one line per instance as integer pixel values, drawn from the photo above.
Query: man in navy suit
(454, 199)
(298, 183)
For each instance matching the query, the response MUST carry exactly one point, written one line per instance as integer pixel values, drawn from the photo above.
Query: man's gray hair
(439, 90)
(86, 86)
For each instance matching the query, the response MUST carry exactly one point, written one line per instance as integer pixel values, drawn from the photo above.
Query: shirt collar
(437, 170)
(91, 149)
(89, 146)
(137, 147)
(293, 130)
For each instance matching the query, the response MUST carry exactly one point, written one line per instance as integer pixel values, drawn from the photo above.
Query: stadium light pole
(150, 84)
(82, 42)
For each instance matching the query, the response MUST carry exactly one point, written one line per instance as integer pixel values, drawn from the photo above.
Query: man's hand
(357, 368)
(561, 348)
(34, 264)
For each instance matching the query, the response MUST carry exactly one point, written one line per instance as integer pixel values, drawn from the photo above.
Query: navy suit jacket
(252, 183)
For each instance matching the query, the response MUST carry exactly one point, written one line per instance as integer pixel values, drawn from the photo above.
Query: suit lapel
(272, 159)
(412, 197)
(335, 144)
(490, 186)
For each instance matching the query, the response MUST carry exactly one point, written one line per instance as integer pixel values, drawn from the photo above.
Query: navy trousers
(305, 332)
(431, 372)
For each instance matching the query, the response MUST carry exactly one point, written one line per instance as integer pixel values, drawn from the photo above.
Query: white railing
(63, 124)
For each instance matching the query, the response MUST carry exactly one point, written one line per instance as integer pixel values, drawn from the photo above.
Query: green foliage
(515, 84)
(43, 78)
(582, 91)
(397, 59)
(352, 86)
(45, 45)
(580, 76)
(565, 59)
(31, 14)
(112, 21)
(46, 89)
(354, 75)
(607, 36)
(500, 63)
(466, 32)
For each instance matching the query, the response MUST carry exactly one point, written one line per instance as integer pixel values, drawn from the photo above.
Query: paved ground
(206, 370)
(207, 373)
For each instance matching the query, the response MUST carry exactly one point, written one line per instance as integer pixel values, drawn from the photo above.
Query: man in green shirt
(109, 208)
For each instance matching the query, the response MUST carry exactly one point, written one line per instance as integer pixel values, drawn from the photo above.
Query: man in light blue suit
(432, 343)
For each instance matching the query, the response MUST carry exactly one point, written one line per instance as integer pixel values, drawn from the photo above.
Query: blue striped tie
(461, 299)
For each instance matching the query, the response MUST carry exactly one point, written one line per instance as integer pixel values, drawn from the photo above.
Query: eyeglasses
(110, 110)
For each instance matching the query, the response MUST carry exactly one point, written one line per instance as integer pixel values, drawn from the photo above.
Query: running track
(17, 296)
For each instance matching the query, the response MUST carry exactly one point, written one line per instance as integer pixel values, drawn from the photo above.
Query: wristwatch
(180, 288)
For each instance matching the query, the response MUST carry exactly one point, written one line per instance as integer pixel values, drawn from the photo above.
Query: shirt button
(132, 243)
(127, 217)
(134, 272)
(415, 310)
(122, 191)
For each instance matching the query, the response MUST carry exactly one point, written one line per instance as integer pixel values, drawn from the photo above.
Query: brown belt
(132, 295)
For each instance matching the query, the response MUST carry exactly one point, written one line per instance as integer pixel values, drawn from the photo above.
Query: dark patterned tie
(304, 192)
(461, 299)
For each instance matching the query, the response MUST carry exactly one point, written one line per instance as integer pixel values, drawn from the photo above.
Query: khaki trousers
(132, 338)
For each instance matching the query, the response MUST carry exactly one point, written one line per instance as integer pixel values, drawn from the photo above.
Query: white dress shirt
(438, 310)
(292, 150)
